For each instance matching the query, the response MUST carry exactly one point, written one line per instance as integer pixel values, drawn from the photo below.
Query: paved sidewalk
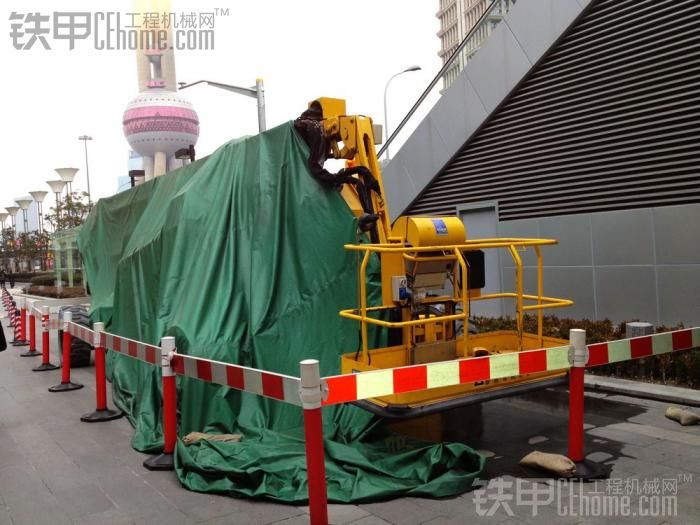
(669, 394)
(55, 470)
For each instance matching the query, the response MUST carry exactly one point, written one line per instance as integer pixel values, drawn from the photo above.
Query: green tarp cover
(240, 257)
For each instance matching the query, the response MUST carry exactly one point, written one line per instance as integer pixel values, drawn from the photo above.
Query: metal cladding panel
(609, 119)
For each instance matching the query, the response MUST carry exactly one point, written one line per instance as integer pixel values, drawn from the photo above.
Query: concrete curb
(625, 387)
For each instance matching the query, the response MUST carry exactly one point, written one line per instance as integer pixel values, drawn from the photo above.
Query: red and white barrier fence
(130, 347)
(365, 385)
(268, 384)
(312, 392)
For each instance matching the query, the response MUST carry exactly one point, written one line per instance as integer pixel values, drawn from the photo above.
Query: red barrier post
(66, 385)
(101, 413)
(45, 350)
(311, 399)
(165, 460)
(23, 322)
(578, 357)
(32, 333)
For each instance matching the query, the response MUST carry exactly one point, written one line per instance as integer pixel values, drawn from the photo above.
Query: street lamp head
(56, 185)
(38, 195)
(3, 218)
(12, 210)
(24, 202)
(66, 174)
(412, 68)
(84, 137)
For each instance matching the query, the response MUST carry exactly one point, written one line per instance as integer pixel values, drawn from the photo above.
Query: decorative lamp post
(386, 88)
(85, 138)
(12, 211)
(24, 203)
(57, 187)
(39, 196)
(67, 175)
(3, 218)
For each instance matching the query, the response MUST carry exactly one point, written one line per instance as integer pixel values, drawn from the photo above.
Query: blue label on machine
(440, 226)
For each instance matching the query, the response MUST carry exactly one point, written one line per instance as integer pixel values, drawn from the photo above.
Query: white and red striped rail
(365, 385)
(268, 384)
(644, 346)
(131, 348)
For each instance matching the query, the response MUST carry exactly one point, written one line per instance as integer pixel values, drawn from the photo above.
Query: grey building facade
(580, 121)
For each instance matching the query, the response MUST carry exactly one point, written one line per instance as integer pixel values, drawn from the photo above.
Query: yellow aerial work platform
(431, 272)
(430, 329)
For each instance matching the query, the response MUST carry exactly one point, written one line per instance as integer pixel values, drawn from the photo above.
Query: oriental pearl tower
(158, 121)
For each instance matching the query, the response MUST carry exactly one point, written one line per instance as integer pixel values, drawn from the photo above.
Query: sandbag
(556, 463)
(682, 416)
(193, 437)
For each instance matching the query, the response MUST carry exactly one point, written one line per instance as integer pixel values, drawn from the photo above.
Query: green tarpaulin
(240, 257)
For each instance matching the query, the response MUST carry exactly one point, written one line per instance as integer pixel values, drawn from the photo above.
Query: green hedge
(49, 279)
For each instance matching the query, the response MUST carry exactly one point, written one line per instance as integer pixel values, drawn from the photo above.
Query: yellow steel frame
(454, 253)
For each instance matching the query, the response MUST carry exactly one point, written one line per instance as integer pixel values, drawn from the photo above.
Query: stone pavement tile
(374, 520)
(164, 516)
(9, 453)
(265, 511)
(342, 514)
(33, 513)
(81, 501)
(95, 465)
(401, 511)
(133, 496)
(448, 507)
(5, 518)
(17, 483)
(296, 520)
(61, 474)
(246, 512)
(169, 486)
(109, 517)
(613, 434)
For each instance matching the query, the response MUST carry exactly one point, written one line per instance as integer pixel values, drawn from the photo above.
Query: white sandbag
(682, 416)
(556, 463)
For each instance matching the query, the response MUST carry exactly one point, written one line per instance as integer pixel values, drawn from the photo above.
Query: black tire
(80, 351)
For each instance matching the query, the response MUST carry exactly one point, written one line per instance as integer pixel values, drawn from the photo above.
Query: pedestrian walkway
(55, 470)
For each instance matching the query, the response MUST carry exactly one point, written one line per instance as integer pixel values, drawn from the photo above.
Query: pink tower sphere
(160, 121)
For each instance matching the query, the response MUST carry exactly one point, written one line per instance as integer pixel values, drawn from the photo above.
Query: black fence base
(101, 415)
(30, 353)
(65, 387)
(45, 367)
(587, 470)
(160, 462)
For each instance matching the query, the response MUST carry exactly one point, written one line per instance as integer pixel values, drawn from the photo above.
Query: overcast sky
(303, 49)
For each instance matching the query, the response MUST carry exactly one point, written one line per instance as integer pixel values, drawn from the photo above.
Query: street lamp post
(67, 175)
(12, 211)
(85, 138)
(386, 88)
(3, 218)
(57, 187)
(24, 203)
(39, 196)
(257, 92)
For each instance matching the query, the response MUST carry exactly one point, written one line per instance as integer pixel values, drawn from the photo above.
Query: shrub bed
(681, 369)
